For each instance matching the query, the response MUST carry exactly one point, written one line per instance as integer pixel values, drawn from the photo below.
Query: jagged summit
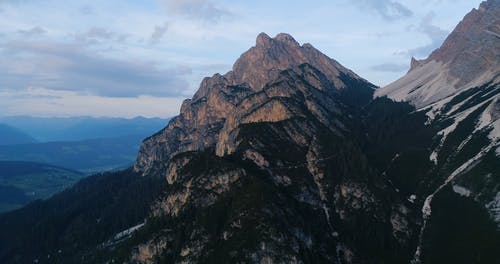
(264, 40)
(269, 56)
(467, 58)
(248, 92)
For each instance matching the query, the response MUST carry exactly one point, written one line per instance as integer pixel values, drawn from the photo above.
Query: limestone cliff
(254, 85)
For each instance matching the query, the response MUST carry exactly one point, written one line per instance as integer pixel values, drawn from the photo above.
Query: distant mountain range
(84, 144)
(293, 158)
(82, 128)
(64, 151)
(87, 156)
(11, 136)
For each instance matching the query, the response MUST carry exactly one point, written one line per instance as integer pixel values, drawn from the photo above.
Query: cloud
(35, 31)
(434, 33)
(71, 67)
(15, 1)
(387, 9)
(97, 34)
(204, 10)
(389, 67)
(158, 33)
(86, 9)
(50, 103)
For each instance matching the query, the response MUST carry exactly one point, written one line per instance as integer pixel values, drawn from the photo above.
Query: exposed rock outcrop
(468, 58)
(242, 96)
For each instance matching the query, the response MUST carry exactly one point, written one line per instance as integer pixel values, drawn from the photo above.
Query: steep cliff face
(289, 182)
(214, 106)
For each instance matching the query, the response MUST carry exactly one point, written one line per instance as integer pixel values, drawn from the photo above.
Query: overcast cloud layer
(128, 58)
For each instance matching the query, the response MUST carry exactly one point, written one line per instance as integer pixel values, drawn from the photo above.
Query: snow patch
(494, 208)
(426, 209)
(488, 119)
(434, 157)
(469, 164)
(128, 231)
(461, 190)
(457, 118)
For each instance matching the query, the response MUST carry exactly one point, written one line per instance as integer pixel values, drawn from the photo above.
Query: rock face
(290, 133)
(259, 150)
(468, 58)
(210, 116)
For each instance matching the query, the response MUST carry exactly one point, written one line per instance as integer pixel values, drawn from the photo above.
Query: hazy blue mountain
(10, 135)
(85, 144)
(87, 156)
(80, 128)
(22, 182)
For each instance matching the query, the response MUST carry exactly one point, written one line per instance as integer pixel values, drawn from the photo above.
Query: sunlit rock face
(241, 96)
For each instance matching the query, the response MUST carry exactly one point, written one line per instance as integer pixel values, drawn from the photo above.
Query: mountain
(23, 182)
(458, 88)
(288, 158)
(252, 91)
(86, 156)
(49, 129)
(467, 59)
(12, 136)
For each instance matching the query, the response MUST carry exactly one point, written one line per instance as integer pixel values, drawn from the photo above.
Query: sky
(125, 58)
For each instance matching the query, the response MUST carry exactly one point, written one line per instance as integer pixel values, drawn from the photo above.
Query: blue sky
(128, 58)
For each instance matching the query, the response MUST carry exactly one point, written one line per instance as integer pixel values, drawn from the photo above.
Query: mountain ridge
(11, 136)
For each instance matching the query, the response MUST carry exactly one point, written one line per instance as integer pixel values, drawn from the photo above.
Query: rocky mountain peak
(467, 58)
(275, 68)
(261, 63)
(263, 40)
(472, 48)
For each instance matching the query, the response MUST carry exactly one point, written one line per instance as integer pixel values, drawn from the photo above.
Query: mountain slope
(23, 182)
(12, 136)
(468, 58)
(458, 88)
(69, 227)
(50, 129)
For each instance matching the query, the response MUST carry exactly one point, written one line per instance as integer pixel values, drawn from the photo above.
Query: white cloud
(204, 10)
(45, 102)
(204, 36)
(387, 9)
(433, 32)
(73, 67)
(34, 31)
(158, 33)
